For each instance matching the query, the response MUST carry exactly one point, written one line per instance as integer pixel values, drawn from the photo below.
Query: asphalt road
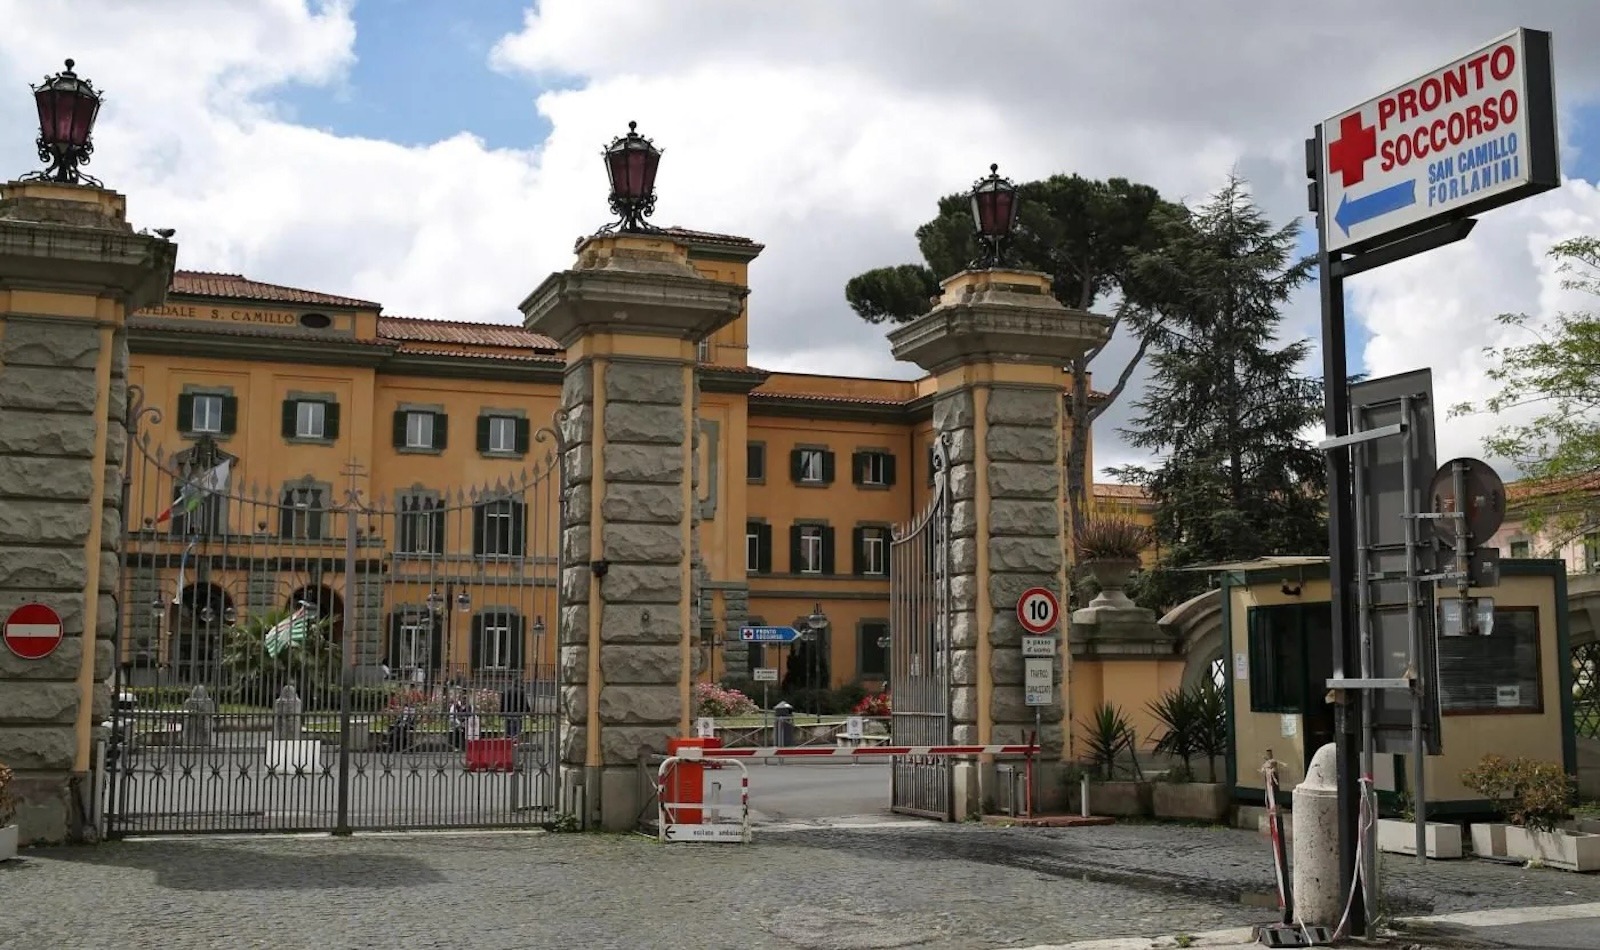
(808, 791)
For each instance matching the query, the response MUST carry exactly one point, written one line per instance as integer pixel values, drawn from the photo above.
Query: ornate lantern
(994, 211)
(631, 162)
(68, 106)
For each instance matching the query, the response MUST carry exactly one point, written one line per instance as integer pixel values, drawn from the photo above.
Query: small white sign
(1038, 681)
(1241, 667)
(1289, 725)
(712, 833)
(1039, 646)
(855, 727)
(1508, 696)
(766, 674)
(705, 728)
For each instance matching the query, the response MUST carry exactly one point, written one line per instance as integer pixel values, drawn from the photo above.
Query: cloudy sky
(441, 156)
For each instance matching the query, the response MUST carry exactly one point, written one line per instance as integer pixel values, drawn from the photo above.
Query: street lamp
(994, 211)
(67, 107)
(631, 162)
(439, 604)
(816, 626)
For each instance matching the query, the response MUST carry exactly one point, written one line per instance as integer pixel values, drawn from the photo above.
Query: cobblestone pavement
(930, 886)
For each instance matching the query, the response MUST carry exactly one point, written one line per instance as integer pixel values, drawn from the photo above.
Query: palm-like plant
(1210, 709)
(1176, 712)
(310, 665)
(1108, 734)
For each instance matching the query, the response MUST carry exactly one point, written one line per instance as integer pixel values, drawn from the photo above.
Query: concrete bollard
(1317, 900)
(286, 714)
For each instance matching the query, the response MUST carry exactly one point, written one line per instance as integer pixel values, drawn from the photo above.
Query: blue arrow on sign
(768, 634)
(1381, 202)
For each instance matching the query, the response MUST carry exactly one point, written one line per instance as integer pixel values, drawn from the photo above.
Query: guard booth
(1507, 692)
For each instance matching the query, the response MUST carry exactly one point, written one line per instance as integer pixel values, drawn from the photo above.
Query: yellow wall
(1465, 739)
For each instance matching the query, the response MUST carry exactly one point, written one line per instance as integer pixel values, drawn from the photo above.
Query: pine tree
(1226, 406)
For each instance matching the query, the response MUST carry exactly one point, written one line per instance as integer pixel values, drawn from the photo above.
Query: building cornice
(145, 337)
(720, 379)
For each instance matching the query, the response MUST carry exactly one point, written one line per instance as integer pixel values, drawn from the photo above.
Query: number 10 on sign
(1038, 610)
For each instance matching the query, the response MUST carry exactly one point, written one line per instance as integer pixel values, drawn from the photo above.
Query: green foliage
(1194, 721)
(891, 293)
(1111, 539)
(1530, 794)
(312, 665)
(1107, 735)
(1085, 234)
(8, 804)
(1226, 404)
(1554, 373)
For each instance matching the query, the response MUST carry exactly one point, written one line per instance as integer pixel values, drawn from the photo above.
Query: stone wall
(953, 418)
(49, 390)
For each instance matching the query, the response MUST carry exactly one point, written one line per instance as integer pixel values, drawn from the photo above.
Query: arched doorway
(197, 622)
(322, 604)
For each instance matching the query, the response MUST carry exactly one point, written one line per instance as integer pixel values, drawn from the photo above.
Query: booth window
(1280, 661)
(1497, 672)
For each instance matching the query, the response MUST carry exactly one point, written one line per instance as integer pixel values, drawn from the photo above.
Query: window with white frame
(301, 515)
(497, 644)
(703, 350)
(413, 647)
(875, 468)
(752, 549)
(310, 420)
(419, 430)
(873, 545)
(502, 434)
(811, 549)
(811, 465)
(421, 524)
(207, 413)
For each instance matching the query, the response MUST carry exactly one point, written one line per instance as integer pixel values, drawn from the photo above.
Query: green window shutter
(827, 467)
(330, 421)
(441, 431)
(858, 467)
(888, 469)
(794, 466)
(480, 527)
(291, 418)
(399, 429)
(524, 431)
(477, 640)
(764, 545)
(827, 550)
(796, 563)
(436, 525)
(888, 547)
(858, 548)
(755, 459)
(518, 646)
(484, 422)
(186, 413)
(230, 415)
(519, 529)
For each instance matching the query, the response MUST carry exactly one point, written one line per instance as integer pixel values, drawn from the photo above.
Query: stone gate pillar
(629, 314)
(996, 344)
(71, 269)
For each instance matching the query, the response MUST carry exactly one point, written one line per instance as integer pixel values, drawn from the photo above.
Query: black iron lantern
(68, 106)
(631, 162)
(994, 211)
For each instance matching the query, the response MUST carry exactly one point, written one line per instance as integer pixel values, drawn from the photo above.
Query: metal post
(347, 664)
(1369, 864)
(1413, 635)
(1346, 645)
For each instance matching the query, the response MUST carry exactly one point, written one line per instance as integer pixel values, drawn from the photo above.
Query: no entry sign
(33, 631)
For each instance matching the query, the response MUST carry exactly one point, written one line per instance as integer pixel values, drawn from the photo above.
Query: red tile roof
(416, 329)
(196, 283)
(1529, 489)
(710, 237)
(828, 397)
(1114, 490)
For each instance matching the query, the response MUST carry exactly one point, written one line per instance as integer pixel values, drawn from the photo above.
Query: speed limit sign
(1038, 610)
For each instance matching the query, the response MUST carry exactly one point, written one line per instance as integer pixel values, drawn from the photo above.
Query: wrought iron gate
(300, 656)
(919, 649)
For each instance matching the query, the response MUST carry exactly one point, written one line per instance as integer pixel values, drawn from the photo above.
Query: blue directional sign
(1379, 203)
(768, 634)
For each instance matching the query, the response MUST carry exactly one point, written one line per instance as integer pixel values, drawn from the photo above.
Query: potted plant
(8, 808)
(1191, 720)
(1536, 798)
(1399, 835)
(1109, 550)
(1107, 735)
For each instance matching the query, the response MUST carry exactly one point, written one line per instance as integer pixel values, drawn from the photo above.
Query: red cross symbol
(1348, 154)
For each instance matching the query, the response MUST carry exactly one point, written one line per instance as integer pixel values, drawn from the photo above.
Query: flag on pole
(290, 630)
(196, 490)
(183, 562)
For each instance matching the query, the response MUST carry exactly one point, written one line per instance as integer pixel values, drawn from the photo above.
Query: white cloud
(826, 130)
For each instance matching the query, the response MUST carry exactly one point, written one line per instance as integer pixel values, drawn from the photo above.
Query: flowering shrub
(8, 805)
(876, 704)
(712, 699)
(436, 701)
(1534, 795)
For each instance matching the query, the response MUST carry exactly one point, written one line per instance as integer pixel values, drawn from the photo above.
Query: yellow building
(437, 425)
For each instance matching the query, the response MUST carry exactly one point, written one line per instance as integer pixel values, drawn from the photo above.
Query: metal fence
(919, 650)
(292, 659)
(1586, 690)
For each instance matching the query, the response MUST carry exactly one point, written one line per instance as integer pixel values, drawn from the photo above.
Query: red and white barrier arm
(829, 752)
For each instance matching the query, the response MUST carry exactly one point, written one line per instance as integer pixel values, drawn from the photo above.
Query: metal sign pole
(1414, 636)
(1363, 541)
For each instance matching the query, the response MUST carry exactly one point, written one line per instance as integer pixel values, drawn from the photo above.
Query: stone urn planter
(1192, 801)
(1112, 576)
(1442, 839)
